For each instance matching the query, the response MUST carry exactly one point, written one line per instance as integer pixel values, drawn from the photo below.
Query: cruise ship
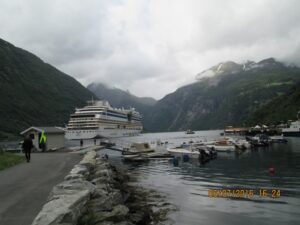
(294, 128)
(99, 120)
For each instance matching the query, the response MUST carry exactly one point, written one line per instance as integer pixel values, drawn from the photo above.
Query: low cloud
(150, 47)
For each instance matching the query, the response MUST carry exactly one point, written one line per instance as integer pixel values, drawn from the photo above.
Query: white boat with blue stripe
(99, 120)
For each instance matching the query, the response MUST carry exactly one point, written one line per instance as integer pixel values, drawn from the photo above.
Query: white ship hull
(90, 134)
(99, 120)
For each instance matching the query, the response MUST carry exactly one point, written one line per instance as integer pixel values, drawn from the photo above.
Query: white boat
(223, 145)
(137, 152)
(222, 148)
(138, 148)
(190, 132)
(242, 144)
(294, 129)
(98, 119)
(278, 139)
(180, 152)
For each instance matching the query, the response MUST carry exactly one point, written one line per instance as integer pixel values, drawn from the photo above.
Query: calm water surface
(187, 185)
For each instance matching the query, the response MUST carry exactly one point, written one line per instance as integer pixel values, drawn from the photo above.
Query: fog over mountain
(151, 47)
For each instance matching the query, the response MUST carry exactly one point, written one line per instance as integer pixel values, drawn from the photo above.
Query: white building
(55, 137)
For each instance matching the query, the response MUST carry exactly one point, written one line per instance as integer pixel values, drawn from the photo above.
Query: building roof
(47, 130)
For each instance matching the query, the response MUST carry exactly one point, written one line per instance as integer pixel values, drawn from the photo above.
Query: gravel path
(24, 188)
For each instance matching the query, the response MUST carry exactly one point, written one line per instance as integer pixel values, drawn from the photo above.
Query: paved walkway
(24, 188)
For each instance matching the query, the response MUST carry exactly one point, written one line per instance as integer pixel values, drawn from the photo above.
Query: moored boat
(203, 153)
(278, 139)
(190, 132)
(259, 140)
(222, 148)
(242, 144)
(181, 152)
(137, 152)
(294, 129)
(223, 145)
(138, 148)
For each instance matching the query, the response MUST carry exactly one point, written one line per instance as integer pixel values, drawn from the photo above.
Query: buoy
(271, 170)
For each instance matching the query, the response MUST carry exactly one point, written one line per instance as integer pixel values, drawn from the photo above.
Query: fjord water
(186, 186)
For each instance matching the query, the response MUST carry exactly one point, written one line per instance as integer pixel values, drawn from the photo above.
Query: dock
(85, 149)
(251, 131)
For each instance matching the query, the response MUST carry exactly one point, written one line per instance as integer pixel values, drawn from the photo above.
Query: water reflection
(187, 184)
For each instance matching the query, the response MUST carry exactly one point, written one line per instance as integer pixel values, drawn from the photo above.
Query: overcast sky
(150, 47)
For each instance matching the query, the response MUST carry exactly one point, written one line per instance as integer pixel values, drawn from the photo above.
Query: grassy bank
(9, 159)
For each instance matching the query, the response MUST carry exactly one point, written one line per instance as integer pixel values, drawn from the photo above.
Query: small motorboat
(242, 144)
(190, 132)
(137, 152)
(278, 139)
(181, 152)
(202, 153)
(138, 148)
(223, 145)
(259, 140)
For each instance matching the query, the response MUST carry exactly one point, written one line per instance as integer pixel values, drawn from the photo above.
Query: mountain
(280, 109)
(226, 94)
(120, 98)
(33, 92)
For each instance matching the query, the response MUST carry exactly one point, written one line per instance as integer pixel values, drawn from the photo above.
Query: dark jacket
(27, 144)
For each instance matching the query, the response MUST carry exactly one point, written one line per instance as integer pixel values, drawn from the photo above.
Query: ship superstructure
(98, 119)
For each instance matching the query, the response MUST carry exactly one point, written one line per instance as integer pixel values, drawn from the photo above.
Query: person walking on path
(27, 146)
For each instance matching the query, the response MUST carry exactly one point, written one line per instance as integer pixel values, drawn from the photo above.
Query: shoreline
(97, 193)
(134, 201)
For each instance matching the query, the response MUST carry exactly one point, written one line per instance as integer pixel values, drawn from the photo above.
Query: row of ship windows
(85, 131)
(111, 127)
(94, 119)
(95, 125)
(84, 117)
(124, 127)
(90, 131)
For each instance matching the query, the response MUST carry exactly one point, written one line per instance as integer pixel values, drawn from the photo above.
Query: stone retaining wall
(67, 200)
(95, 193)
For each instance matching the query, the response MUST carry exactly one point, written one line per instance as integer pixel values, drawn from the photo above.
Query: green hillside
(280, 109)
(227, 98)
(33, 92)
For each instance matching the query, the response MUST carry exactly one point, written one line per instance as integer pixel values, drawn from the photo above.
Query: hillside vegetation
(229, 98)
(280, 109)
(36, 93)
(33, 92)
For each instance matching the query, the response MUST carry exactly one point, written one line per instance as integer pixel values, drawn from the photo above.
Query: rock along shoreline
(96, 193)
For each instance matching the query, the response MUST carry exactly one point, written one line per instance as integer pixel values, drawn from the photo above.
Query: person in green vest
(43, 140)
